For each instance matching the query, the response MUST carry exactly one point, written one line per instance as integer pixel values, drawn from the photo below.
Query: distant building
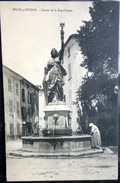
(29, 106)
(21, 103)
(72, 59)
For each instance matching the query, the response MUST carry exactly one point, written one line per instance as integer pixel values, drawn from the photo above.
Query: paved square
(96, 167)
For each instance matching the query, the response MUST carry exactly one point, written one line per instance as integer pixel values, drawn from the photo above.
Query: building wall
(29, 106)
(13, 104)
(13, 121)
(72, 60)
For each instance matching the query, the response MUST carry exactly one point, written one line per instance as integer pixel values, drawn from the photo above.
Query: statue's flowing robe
(53, 81)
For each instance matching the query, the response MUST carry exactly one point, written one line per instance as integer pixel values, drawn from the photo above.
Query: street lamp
(62, 40)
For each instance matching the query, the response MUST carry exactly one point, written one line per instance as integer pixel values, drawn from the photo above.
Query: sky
(31, 29)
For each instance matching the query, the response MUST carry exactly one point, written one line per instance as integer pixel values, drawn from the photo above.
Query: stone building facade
(19, 97)
(29, 107)
(72, 59)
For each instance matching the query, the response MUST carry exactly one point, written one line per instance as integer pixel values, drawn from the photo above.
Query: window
(18, 129)
(29, 114)
(9, 85)
(69, 52)
(17, 108)
(23, 95)
(24, 113)
(11, 106)
(11, 129)
(17, 89)
(69, 71)
(29, 98)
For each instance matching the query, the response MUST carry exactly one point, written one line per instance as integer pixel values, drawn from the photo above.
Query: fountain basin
(56, 144)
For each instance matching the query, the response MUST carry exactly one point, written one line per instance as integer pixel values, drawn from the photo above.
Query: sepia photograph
(60, 84)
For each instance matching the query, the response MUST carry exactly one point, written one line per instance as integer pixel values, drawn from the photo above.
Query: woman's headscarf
(91, 124)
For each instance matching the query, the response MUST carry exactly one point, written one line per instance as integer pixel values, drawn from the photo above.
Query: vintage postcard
(60, 76)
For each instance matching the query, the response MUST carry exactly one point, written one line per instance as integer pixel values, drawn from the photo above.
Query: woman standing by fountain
(96, 138)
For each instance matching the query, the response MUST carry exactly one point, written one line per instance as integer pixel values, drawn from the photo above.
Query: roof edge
(22, 78)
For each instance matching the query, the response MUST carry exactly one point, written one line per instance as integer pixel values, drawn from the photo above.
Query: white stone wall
(77, 72)
(11, 117)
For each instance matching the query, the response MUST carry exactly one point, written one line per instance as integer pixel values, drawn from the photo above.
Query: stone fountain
(56, 139)
(57, 134)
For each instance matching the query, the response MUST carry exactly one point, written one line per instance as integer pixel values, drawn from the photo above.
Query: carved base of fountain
(56, 144)
(62, 126)
(57, 132)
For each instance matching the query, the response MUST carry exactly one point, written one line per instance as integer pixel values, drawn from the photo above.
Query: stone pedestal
(57, 134)
(62, 125)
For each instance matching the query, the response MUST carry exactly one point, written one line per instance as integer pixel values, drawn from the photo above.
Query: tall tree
(98, 39)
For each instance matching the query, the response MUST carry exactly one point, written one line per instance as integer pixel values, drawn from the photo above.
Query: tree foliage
(98, 39)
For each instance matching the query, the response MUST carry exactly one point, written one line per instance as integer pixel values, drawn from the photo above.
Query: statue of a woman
(53, 79)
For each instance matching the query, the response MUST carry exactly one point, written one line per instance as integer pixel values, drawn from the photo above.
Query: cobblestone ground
(96, 167)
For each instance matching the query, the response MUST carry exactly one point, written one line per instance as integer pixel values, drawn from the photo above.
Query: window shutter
(23, 95)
